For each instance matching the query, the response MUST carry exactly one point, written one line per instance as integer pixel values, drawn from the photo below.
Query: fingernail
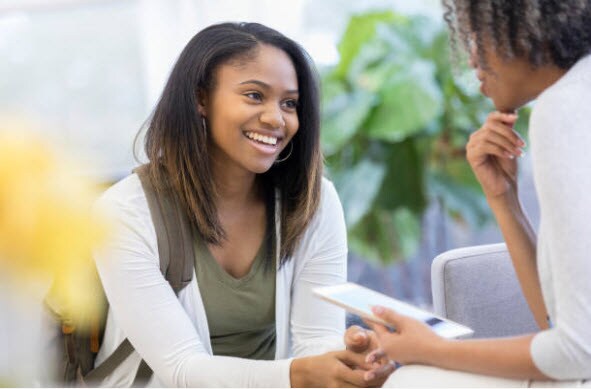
(369, 376)
(370, 358)
(360, 336)
(377, 309)
(522, 154)
(518, 152)
(520, 143)
(509, 155)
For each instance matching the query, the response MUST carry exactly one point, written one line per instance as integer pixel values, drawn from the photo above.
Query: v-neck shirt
(240, 311)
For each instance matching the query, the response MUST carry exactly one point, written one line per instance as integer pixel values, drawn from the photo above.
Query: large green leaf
(462, 201)
(403, 183)
(408, 231)
(361, 28)
(386, 236)
(358, 188)
(343, 116)
(410, 100)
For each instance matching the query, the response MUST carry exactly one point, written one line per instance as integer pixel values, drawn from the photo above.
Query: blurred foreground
(46, 236)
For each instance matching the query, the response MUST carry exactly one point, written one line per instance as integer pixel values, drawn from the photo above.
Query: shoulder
(328, 224)
(567, 99)
(124, 200)
(330, 204)
(561, 114)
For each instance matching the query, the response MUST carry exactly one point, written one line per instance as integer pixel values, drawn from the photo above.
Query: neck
(235, 187)
(542, 78)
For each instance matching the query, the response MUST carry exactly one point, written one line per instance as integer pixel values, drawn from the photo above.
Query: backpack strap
(175, 250)
(173, 232)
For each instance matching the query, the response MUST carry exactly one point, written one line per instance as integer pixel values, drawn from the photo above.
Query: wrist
(439, 351)
(297, 373)
(506, 201)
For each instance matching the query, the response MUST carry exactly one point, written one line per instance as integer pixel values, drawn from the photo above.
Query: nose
(272, 116)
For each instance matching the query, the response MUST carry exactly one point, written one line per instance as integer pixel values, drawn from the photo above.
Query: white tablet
(359, 300)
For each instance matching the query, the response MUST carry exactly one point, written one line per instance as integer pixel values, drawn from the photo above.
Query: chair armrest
(477, 286)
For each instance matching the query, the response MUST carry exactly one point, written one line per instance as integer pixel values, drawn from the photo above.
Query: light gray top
(560, 137)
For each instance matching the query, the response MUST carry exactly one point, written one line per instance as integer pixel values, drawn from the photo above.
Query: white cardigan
(172, 334)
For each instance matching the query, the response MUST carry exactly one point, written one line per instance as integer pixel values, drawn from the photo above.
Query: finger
(353, 359)
(489, 149)
(378, 329)
(389, 316)
(507, 132)
(375, 356)
(356, 339)
(352, 378)
(509, 118)
(375, 376)
(502, 141)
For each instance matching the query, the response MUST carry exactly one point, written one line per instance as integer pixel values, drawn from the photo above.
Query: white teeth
(270, 140)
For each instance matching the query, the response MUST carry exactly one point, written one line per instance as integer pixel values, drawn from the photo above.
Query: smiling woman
(234, 141)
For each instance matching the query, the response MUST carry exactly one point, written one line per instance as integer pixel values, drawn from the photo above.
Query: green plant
(396, 119)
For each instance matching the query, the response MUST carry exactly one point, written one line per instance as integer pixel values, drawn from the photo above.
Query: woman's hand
(333, 369)
(411, 342)
(492, 152)
(362, 341)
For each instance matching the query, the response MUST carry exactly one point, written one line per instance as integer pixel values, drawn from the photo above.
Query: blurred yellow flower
(46, 228)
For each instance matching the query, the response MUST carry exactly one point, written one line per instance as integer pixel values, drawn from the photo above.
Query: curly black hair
(545, 32)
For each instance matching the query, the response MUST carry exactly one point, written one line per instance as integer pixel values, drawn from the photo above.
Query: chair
(476, 286)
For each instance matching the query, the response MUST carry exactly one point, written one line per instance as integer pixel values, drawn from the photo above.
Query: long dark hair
(176, 140)
(544, 32)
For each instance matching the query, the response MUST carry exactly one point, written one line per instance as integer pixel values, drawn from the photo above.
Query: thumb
(356, 339)
(388, 315)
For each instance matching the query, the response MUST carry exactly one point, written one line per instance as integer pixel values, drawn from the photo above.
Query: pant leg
(419, 376)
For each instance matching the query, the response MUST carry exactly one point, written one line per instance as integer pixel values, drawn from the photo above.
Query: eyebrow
(265, 85)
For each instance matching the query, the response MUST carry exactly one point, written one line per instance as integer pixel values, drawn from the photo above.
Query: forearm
(507, 357)
(521, 243)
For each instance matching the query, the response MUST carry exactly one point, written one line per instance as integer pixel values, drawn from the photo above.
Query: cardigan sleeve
(316, 325)
(561, 141)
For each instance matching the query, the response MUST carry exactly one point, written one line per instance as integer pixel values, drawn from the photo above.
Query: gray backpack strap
(175, 250)
(103, 370)
(173, 232)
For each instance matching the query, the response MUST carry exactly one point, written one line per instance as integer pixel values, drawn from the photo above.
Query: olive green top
(240, 311)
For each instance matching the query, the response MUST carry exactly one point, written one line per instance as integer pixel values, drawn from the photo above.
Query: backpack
(79, 344)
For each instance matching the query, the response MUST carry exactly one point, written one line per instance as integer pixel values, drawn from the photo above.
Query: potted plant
(396, 119)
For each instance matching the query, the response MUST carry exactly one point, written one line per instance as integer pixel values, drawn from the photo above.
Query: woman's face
(505, 82)
(252, 110)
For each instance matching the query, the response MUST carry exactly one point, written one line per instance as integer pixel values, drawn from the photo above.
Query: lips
(482, 80)
(265, 139)
(265, 142)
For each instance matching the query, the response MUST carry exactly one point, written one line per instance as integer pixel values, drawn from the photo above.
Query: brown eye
(254, 96)
(290, 104)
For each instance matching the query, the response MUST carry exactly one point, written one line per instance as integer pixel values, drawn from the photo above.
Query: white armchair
(476, 286)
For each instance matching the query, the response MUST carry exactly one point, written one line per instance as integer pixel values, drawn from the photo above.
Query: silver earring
(204, 123)
(288, 154)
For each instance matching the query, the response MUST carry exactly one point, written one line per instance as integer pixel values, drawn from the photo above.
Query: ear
(202, 103)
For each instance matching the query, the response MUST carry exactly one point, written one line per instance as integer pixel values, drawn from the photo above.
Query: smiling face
(252, 110)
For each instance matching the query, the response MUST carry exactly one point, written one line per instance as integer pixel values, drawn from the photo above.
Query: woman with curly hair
(522, 51)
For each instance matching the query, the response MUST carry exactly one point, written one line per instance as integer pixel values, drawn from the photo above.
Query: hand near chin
(365, 343)
(411, 342)
(492, 152)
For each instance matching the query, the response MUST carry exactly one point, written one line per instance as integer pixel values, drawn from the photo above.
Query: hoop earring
(204, 123)
(288, 154)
